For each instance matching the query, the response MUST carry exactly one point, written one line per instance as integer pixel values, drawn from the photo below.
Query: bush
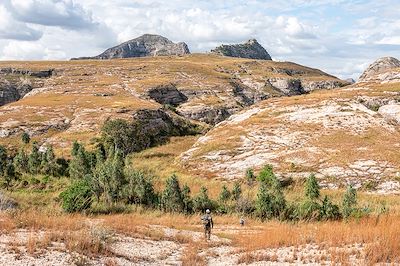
(265, 174)
(25, 138)
(349, 201)
(329, 211)
(202, 202)
(139, 188)
(236, 191)
(171, 199)
(311, 189)
(309, 210)
(77, 197)
(225, 194)
(244, 206)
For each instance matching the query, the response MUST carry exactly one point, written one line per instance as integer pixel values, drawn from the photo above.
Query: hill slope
(347, 135)
(81, 95)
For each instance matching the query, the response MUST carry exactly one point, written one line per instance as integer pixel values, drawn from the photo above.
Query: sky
(341, 37)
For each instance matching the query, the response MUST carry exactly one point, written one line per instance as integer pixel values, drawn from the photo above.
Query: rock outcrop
(250, 49)
(167, 94)
(380, 70)
(16, 83)
(145, 45)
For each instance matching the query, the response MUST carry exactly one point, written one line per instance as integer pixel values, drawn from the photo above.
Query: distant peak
(379, 66)
(250, 49)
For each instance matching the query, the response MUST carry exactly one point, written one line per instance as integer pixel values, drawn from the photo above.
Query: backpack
(206, 221)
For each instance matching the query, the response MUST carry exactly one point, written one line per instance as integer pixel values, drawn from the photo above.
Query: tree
(9, 174)
(270, 199)
(187, 201)
(171, 198)
(329, 211)
(139, 188)
(25, 138)
(202, 202)
(225, 194)
(236, 191)
(79, 166)
(114, 178)
(49, 164)
(349, 201)
(250, 177)
(3, 160)
(21, 161)
(75, 147)
(34, 159)
(311, 189)
(263, 203)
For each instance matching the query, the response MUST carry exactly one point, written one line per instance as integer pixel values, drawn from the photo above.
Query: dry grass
(377, 234)
(190, 255)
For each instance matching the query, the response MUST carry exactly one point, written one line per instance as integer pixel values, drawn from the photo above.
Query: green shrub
(77, 197)
(225, 194)
(311, 189)
(329, 210)
(349, 202)
(171, 198)
(139, 188)
(265, 174)
(201, 201)
(236, 191)
(25, 138)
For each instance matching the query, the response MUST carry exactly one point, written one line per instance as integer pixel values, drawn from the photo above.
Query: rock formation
(16, 83)
(250, 49)
(379, 70)
(145, 45)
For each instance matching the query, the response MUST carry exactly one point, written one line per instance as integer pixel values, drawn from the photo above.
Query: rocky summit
(383, 69)
(145, 45)
(250, 49)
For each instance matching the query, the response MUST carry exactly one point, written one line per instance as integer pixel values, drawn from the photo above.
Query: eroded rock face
(16, 83)
(159, 125)
(145, 45)
(381, 66)
(167, 94)
(250, 49)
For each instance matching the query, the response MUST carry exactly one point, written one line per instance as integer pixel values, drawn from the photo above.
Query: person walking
(208, 224)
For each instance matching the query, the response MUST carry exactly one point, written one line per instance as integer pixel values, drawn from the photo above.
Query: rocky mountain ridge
(145, 45)
(250, 49)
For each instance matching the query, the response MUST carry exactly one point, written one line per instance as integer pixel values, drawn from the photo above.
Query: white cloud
(337, 36)
(15, 30)
(63, 13)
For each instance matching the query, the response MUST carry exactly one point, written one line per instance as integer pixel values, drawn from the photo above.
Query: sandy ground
(127, 250)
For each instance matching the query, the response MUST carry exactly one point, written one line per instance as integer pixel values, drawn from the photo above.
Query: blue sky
(339, 37)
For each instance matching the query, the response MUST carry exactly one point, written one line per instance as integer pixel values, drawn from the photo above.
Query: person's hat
(207, 211)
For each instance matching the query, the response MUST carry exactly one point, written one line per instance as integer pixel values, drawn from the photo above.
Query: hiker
(208, 224)
(241, 221)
